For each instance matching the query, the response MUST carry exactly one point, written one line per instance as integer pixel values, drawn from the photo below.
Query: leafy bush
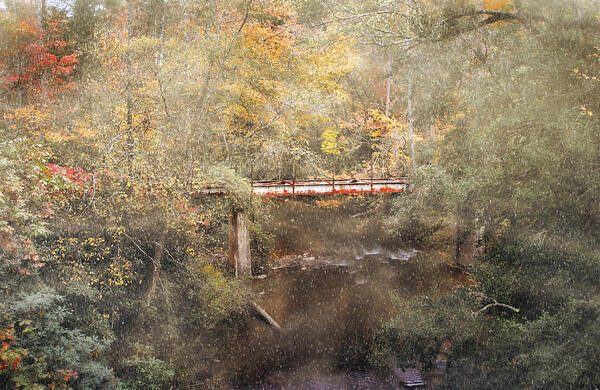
(552, 342)
(146, 372)
(53, 351)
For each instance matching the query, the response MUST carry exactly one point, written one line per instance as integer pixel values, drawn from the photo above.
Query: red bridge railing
(321, 187)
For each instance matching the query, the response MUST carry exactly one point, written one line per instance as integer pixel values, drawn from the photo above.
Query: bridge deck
(321, 187)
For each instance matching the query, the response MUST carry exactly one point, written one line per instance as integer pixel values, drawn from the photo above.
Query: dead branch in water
(266, 317)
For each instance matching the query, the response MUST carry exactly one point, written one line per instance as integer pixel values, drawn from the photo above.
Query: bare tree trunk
(160, 33)
(411, 129)
(159, 249)
(388, 88)
(128, 86)
(42, 25)
(42, 14)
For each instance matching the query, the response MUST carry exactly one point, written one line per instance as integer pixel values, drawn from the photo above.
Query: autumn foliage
(34, 63)
(498, 5)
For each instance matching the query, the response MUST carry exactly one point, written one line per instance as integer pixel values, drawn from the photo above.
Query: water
(329, 308)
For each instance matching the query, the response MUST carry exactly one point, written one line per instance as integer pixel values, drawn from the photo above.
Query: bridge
(320, 187)
(239, 237)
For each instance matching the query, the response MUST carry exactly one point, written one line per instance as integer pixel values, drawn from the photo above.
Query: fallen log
(262, 314)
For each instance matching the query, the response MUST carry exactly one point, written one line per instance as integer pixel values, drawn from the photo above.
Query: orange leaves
(38, 122)
(269, 38)
(498, 5)
(30, 372)
(30, 120)
(377, 124)
(329, 203)
(28, 26)
(267, 43)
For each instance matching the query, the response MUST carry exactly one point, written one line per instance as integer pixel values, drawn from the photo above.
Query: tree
(35, 64)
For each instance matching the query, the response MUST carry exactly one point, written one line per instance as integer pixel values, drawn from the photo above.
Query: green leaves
(53, 351)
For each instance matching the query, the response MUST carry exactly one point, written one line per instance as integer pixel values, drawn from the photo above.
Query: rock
(262, 276)
(303, 268)
(309, 258)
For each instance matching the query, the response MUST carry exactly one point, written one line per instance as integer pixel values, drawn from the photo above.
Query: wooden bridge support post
(239, 244)
(333, 181)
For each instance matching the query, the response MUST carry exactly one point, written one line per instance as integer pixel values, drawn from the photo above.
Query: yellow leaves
(322, 68)
(213, 274)
(329, 203)
(29, 119)
(329, 143)
(82, 130)
(91, 261)
(585, 111)
(376, 133)
(442, 127)
(30, 114)
(459, 115)
(120, 273)
(581, 75)
(383, 122)
(118, 231)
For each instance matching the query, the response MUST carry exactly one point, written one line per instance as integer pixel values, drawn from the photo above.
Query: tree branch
(495, 303)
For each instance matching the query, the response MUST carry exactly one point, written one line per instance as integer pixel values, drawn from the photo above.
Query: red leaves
(48, 209)
(37, 64)
(68, 374)
(66, 64)
(68, 60)
(76, 176)
(6, 233)
(7, 334)
(42, 62)
(6, 359)
(15, 364)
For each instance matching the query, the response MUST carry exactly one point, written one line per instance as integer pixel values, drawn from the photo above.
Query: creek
(329, 309)
(330, 303)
